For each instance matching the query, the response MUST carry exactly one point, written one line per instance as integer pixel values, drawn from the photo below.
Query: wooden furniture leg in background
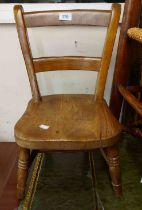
(23, 166)
(114, 168)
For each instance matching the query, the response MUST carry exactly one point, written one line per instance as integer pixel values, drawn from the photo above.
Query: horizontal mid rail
(67, 63)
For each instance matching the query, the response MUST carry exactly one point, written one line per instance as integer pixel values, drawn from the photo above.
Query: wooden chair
(129, 93)
(73, 122)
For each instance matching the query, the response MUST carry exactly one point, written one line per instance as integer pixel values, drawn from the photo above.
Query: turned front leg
(23, 166)
(114, 168)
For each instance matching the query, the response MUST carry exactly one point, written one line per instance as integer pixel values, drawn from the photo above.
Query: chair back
(103, 18)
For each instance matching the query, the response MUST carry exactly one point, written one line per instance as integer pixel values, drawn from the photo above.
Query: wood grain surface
(8, 176)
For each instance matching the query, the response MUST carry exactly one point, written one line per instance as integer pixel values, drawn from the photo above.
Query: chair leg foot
(23, 166)
(114, 168)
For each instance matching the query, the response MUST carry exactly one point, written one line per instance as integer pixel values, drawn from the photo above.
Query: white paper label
(43, 126)
(65, 16)
(141, 181)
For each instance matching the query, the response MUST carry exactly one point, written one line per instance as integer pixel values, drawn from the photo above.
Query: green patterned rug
(62, 181)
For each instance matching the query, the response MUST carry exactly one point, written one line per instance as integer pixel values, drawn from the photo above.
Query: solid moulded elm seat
(73, 122)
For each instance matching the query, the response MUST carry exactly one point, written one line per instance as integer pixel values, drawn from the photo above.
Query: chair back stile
(25, 47)
(107, 51)
(103, 18)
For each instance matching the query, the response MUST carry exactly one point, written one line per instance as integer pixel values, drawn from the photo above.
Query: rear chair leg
(23, 166)
(114, 168)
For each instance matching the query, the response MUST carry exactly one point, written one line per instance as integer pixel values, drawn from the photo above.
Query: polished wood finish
(107, 52)
(67, 63)
(6, 161)
(131, 99)
(9, 198)
(114, 168)
(23, 166)
(66, 121)
(24, 42)
(124, 53)
(106, 56)
(8, 176)
(76, 122)
(127, 93)
(135, 34)
(79, 17)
